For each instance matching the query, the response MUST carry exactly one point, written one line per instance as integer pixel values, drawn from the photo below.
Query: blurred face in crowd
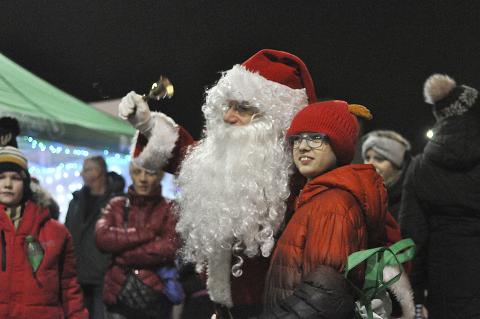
(384, 167)
(11, 188)
(145, 182)
(239, 113)
(91, 172)
(312, 154)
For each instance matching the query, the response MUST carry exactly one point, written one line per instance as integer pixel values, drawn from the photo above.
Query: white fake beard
(234, 187)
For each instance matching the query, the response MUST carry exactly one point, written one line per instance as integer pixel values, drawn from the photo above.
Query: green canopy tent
(46, 112)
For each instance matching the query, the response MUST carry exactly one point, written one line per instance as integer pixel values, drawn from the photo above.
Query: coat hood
(364, 184)
(455, 144)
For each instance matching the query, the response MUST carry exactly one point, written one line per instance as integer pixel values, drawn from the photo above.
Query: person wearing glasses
(341, 209)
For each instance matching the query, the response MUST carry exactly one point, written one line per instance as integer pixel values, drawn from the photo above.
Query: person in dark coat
(389, 153)
(83, 212)
(37, 274)
(440, 208)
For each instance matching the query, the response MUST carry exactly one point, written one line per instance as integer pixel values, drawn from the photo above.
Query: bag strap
(126, 211)
(377, 259)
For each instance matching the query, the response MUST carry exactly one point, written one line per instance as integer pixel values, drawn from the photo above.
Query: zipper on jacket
(4, 252)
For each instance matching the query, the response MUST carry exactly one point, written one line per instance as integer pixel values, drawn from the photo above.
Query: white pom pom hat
(448, 98)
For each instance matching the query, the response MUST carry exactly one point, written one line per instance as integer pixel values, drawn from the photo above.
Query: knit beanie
(337, 120)
(389, 144)
(11, 159)
(448, 98)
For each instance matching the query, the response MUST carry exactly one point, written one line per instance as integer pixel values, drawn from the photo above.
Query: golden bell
(161, 89)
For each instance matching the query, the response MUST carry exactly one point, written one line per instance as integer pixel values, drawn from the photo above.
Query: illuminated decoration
(58, 167)
(429, 134)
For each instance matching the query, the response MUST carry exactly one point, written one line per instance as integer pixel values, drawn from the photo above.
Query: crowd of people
(271, 209)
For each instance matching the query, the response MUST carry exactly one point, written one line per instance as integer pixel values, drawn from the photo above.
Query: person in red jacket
(235, 182)
(341, 209)
(37, 275)
(139, 232)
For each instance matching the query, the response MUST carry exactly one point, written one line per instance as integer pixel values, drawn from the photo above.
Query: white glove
(135, 110)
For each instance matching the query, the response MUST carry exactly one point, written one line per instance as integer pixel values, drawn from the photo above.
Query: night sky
(376, 53)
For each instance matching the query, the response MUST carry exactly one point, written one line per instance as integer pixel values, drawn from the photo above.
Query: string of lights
(58, 166)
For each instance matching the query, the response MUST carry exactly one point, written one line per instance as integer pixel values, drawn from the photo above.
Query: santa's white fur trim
(160, 145)
(402, 289)
(437, 87)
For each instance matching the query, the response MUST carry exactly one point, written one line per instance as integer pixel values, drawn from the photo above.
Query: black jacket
(440, 211)
(322, 294)
(91, 263)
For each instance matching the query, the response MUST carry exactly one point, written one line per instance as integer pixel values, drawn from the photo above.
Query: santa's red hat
(283, 68)
(276, 84)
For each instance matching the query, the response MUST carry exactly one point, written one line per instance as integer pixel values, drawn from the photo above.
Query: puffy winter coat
(338, 213)
(53, 292)
(440, 211)
(148, 242)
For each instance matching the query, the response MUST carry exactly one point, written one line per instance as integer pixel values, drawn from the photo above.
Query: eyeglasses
(242, 108)
(316, 141)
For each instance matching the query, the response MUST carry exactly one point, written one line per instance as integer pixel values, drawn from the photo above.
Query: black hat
(12, 159)
(448, 98)
(9, 130)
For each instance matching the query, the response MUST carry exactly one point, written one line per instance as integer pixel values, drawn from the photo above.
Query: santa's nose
(231, 117)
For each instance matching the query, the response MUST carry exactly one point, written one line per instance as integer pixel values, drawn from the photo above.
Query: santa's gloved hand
(135, 110)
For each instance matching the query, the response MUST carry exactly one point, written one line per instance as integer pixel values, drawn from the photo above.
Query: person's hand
(221, 312)
(135, 110)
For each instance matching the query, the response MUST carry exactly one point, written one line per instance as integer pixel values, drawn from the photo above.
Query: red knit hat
(283, 68)
(337, 120)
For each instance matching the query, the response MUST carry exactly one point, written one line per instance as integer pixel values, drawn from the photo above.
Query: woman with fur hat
(37, 273)
(440, 208)
(341, 209)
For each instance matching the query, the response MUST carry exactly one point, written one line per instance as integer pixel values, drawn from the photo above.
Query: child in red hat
(341, 209)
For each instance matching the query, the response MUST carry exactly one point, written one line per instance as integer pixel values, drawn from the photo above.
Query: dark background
(377, 53)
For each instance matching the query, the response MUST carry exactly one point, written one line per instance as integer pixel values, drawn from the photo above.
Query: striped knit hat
(11, 159)
(336, 119)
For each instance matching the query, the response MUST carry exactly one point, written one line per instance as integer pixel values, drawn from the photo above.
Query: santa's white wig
(234, 182)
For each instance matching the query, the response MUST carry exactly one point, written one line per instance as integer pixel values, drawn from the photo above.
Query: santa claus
(235, 181)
